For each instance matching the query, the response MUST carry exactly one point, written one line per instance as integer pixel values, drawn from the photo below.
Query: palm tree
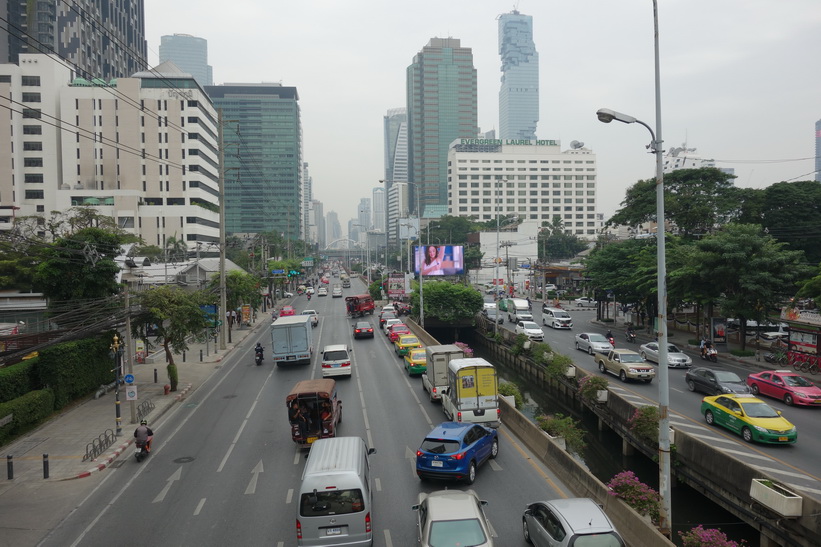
(176, 250)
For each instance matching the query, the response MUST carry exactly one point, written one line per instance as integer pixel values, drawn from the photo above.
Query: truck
(435, 378)
(517, 309)
(292, 340)
(625, 364)
(346, 280)
(472, 394)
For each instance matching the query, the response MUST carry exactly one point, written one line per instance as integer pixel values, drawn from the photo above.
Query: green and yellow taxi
(416, 362)
(404, 343)
(750, 417)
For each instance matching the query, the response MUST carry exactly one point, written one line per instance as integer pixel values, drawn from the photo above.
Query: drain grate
(184, 459)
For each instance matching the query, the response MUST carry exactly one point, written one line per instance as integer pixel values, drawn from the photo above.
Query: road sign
(128, 378)
(131, 393)
(277, 271)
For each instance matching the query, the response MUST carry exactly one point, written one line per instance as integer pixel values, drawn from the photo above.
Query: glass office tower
(190, 54)
(519, 94)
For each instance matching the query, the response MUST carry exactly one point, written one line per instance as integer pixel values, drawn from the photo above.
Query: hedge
(75, 369)
(18, 379)
(28, 410)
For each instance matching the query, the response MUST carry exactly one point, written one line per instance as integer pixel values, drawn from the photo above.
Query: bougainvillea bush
(627, 487)
(707, 537)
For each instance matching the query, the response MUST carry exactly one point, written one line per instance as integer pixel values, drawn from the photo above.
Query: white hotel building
(535, 180)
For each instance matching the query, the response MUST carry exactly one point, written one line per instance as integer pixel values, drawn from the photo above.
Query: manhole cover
(184, 459)
(229, 396)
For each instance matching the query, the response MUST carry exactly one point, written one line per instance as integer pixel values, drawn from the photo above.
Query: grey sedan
(445, 516)
(591, 342)
(714, 381)
(675, 357)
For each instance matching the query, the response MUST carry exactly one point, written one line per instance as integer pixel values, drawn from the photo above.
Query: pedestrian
(228, 318)
(233, 317)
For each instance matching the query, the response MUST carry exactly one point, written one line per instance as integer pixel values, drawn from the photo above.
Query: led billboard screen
(439, 259)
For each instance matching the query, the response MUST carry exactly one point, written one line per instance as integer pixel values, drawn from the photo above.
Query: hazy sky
(740, 79)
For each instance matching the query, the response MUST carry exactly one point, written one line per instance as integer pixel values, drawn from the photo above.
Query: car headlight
(802, 395)
(761, 429)
(726, 389)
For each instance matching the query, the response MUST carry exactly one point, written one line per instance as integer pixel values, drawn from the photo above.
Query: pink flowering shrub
(627, 487)
(465, 348)
(707, 537)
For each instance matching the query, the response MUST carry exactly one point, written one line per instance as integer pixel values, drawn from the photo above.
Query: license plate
(782, 439)
(436, 463)
(333, 531)
(334, 365)
(312, 439)
(642, 376)
(290, 358)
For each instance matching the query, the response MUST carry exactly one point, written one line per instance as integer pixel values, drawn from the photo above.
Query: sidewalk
(67, 437)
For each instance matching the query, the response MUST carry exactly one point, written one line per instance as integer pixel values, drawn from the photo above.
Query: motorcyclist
(631, 334)
(143, 434)
(610, 338)
(259, 351)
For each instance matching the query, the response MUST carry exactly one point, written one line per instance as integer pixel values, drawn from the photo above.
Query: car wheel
(709, 418)
(622, 376)
(471, 476)
(526, 532)
(788, 399)
(590, 350)
(691, 385)
(601, 367)
(577, 346)
(644, 356)
(494, 449)
(754, 389)
(747, 435)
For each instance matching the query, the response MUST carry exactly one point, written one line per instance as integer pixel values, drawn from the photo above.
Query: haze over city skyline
(736, 76)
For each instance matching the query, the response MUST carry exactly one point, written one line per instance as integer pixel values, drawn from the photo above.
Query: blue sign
(128, 378)
(277, 271)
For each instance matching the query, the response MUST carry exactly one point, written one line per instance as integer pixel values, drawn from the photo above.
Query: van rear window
(336, 355)
(336, 502)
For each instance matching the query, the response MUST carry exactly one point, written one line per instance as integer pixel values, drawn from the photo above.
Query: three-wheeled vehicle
(359, 305)
(314, 411)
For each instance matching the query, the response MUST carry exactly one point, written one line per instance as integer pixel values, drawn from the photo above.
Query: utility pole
(223, 295)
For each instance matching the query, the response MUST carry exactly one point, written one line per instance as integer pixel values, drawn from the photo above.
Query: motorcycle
(309, 296)
(631, 336)
(710, 354)
(142, 449)
(258, 358)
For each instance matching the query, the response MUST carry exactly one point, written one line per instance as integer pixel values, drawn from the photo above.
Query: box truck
(292, 340)
(435, 378)
(472, 394)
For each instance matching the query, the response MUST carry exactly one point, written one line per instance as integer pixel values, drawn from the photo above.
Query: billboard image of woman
(439, 259)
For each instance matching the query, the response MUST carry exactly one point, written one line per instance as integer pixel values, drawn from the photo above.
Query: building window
(32, 130)
(31, 97)
(35, 194)
(32, 113)
(34, 177)
(32, 162)
(31, 145)
(30, 81)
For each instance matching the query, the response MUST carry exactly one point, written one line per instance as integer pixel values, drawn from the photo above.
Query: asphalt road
(225, 471)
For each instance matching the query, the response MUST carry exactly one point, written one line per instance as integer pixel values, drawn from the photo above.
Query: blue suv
(454, 450)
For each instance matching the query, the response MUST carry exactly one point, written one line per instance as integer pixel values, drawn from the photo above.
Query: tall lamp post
(607, 116)
(116, 353)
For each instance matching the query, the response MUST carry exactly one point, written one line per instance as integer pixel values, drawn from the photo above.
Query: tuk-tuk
(314, 411)
(359, 305)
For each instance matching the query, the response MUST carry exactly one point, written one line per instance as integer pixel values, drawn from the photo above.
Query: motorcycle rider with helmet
(144, 435)
(259, 351)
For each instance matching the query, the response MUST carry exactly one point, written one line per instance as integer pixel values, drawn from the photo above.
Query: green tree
(697, 201)
(811, 288)
(449, 230)
(175, 249)
(448, 302)
(791, 212)
(240, 288)
(80, 266)
(555, 243)
(177, 315)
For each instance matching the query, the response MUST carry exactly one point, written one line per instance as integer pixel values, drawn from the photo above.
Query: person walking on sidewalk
(143, 434)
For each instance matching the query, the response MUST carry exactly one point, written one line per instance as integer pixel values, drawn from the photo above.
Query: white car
(530, 329)
(322, 291)
(336, 360)
(675, 357)
(314, 316)
(585, 302)
(389, 323)
(591, 342)
(309, 290)
(336, 293)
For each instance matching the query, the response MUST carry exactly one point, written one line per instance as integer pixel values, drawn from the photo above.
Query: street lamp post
(116, 353)
(606, 116)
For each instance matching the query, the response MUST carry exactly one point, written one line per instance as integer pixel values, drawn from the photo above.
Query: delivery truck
(472, 394)
(292, 340)
(435, 378)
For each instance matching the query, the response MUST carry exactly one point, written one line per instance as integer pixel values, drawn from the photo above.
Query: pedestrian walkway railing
(99, 445)
(145, 409)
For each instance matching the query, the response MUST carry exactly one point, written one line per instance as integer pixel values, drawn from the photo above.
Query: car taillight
(357, 331)
(326, 365)
(459, 456)
(367, 522)
(418, 453)
(499, 413)
(298, 529)
(346, 364)
(433, 389)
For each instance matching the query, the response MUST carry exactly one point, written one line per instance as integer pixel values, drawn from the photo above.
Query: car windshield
(439, 446)
(562, 314)
(598, 338)
(797, 381)
(309, 312)
(450, 533)
(673, 349)
(608, 539)
(724, 376)
(759, 410)
(418, 354)
(530, 325)
(631, 358)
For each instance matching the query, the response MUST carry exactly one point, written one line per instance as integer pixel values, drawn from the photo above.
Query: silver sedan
(675, 357)
(591, 342)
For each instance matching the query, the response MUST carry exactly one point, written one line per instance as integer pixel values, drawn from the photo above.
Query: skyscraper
(262, 136)
(519, 94)
(190, 54)
(396, 146)
(442, 107)
(379, 209)
(101, 40)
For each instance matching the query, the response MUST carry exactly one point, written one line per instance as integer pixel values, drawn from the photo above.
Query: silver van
(556, 318)
(335, 503)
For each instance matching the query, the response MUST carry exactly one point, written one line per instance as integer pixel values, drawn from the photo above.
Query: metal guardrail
(145, 409)
(100, 444)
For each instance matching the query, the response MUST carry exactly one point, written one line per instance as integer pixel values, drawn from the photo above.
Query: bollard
(166, 389)
(200, 356)
(183, 357)
(10, 466)
(45, 466)
(155, 376)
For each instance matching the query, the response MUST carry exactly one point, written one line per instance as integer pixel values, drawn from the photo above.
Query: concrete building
(190, 54)
(142, 150)
(333, 228)
(263, 183)
(534, 180)
(379, 204)
(398, 209)
(307, 198)
(98, 39)
(396, 146)
(519, 92)
(317, 229)
(441, 106)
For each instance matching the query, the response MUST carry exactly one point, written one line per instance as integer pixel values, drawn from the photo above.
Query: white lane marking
(297, 457)
(252, 485)
(244, 423)
(199, 507)
(290, 497)
(368, 432)
(378, 483)
(177, 475)
(495, 466)
(788, 473)
(388, 541)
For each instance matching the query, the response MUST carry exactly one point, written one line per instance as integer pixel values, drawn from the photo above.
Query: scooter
(631, 336)
(710, 354)
(258, 358)
(141, 451)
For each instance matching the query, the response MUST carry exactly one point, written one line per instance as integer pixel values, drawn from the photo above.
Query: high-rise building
(333, 228)
(190, 54)
(98, 40)
(379, 209)
(396, 146)
(519, 93)
(364, 219)
(441, 107)
(307, 198)
(318, 224)
(818, 150)
(137, 151)
(262, 143)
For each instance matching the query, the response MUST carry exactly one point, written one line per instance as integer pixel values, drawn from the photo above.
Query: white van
(556, 318)
(517, 310)
(335, 504)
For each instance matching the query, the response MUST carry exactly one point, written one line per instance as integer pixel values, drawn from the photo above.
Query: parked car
(416, 361)
(530, 329)
(404, 343)
(568, 522)
(454, 451)
(750, 417)
(591, 342)
(714, 381)
(585, 302)
(447, 514)
(362, 329)
(314, 316)
(786, 385)
(287, 310)
(675, 357)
